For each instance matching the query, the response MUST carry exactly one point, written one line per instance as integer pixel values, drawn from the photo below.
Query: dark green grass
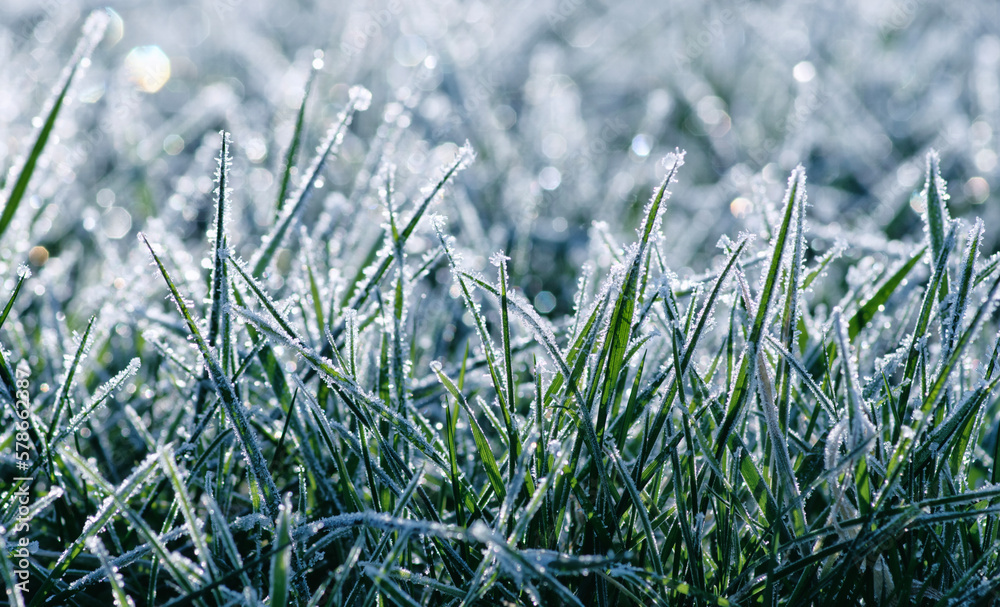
(760, 433)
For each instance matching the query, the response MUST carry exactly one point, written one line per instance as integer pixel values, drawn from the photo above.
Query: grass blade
(93, 32)
(96, 546)
(359, 101)
(281, 560)
(741, 387)
(293, 147)
(235, 410)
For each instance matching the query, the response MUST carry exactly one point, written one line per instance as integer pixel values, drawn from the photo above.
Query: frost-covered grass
(334, 378)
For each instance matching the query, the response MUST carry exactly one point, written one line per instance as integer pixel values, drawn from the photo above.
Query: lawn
(499, 303)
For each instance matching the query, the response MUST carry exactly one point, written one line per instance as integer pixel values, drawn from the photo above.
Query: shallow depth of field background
(569, 104)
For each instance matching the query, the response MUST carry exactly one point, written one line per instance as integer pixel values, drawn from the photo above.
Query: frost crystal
(499, 259)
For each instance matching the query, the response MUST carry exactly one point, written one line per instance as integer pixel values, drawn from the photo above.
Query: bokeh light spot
(148, 67)
(38, 255)
(804, 71)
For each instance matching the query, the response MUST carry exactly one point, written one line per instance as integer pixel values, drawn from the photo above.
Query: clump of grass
(293, 430)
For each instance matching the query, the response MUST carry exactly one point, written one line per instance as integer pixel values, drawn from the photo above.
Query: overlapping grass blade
(359, 100)
(482, 445)
(6, 376)
(741, 387)
(96, 546)
(926, 308)
(620, 326)
(139, 477)
(235, 409)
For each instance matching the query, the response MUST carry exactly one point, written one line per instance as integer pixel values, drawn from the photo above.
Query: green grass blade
(220, 531)
(620, 325)
(281, 560)
(293, 147)
(926, 308)
(650, 438)
(482, 445)
(640, 509)
(861, 427)
(93, 32)
(64, 396)
(740, 391)
(23, 274)
(6, 376)
(183, 572)
(513, 440)
(100, 396)
(121, 599)
(359, 100)
(871, 307)
(953, 322)
(219, 287)
(195, 531)
(955, 356)
(936, 215)
(16, 587)
(791, 314)
(235, 409)
(139, 477)
(462, 160)
(779, 441)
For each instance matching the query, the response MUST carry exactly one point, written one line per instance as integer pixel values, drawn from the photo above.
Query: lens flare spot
(148, 67)
(739, 207)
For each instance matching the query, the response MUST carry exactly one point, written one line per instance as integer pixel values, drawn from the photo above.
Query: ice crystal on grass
(935, 197)
(653, 212)
(685, 424)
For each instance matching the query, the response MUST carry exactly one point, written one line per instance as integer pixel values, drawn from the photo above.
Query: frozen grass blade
(102, 394)
(93, 32)
(647, 527)
(360, 98)
(772, 418)
(936, 216)
(867, 311)
(64, 396)
(513, 440)
(293, 147)
(6, 375)
(437, 460)
(235, 409)
(352, 393)
(955, 355)
(96, 546)
(220, 288)
(222, 533)
(462, 160)
(589, 435)
(926, 308)
(140, 476)
(860, 426)
(482, 445)
(741, 388)
(281, 560)
(620, 327)
(168, 464)
(15, 586)
(790, 319)
(690, 347)
(961, 303)
(182, 571)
